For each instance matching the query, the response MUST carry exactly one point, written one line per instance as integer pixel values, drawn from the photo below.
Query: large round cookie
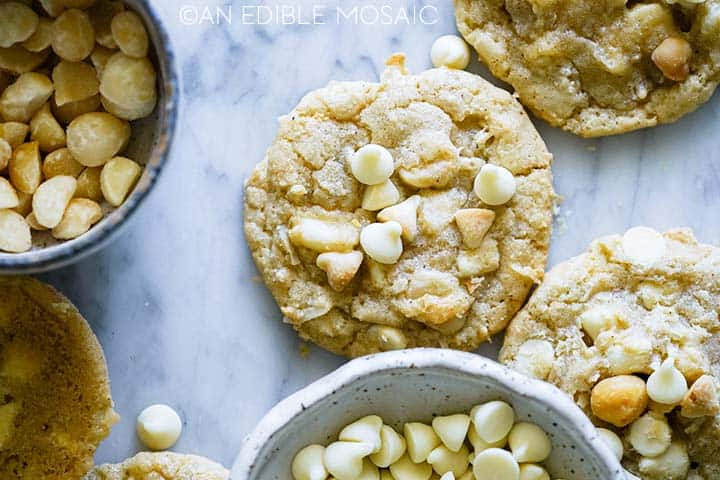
(646, 305)
(441, 127)
(55, 404)
(586, 65)
(161, 465)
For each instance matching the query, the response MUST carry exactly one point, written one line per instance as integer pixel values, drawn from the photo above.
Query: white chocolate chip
(601, 318)
(450, 51)
(324, 236)
(421, 440)
(51, 199)
(643, 245)
(444, 460)
(365, 430)
(8, 196)
(529, 443)
(500, 462)
(344, 460)
(340, 267)
(308, 464)
(393, 447)
(493, 420)
(372, 164)
(535, 358)
(613, 441)
(369, 471)
(159, 427)
(382, 242)
(667, 384)
(474, 224)
(377, 197)
(448, 476)
(494, 185)
(530, 471)
(406, 469)
(405, 213)
(673, 464)
(452, 430)
(650, 435)
(479, 444)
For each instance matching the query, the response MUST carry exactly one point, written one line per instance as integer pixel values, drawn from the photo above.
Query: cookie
(634, 313)
(599, 68)
(357, 276)
(161, 466)
(55, 404)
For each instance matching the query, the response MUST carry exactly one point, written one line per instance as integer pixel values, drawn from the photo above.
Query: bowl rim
(467, 363)
(62, 254)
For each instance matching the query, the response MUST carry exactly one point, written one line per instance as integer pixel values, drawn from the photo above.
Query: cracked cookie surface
(601, 315)
(55, 404)
(441, 127)
(587, 66)
(161, 466)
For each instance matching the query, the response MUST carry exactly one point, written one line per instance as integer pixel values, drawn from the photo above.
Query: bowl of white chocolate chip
(88, 106)
(424, 414)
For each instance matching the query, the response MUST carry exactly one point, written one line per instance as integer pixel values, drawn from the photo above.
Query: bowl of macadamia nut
(88, 107)
(426, 414)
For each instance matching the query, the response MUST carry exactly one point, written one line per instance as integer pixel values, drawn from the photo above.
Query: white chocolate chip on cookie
(159, 427)
(601, 318)
(643, 245)
(382, 242)
(673, 464)
(340, 267)
(372, 164)
(405, 213)
(494, 185)
(450, 51)
(474, 224)
(379, 196)
(650, 435)
(667, 384)
(323, 235)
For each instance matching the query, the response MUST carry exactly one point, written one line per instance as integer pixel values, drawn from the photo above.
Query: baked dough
(586, 65)
(441, 127)
(161, 466)
(661, 309)
(55, 404)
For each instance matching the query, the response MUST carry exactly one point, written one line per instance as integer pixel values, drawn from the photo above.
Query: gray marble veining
(176, 302)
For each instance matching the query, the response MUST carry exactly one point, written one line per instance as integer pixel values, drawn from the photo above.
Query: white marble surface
(175, 301)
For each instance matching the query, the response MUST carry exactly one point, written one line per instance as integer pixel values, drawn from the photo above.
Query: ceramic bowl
(149, 145)
(415, 385)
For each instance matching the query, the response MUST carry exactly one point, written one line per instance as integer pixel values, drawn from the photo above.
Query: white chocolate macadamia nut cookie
(631, 333)
(599, 67)
(364, 220)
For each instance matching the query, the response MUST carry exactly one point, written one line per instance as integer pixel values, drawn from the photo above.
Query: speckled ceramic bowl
(416, 385)
(149, 145)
